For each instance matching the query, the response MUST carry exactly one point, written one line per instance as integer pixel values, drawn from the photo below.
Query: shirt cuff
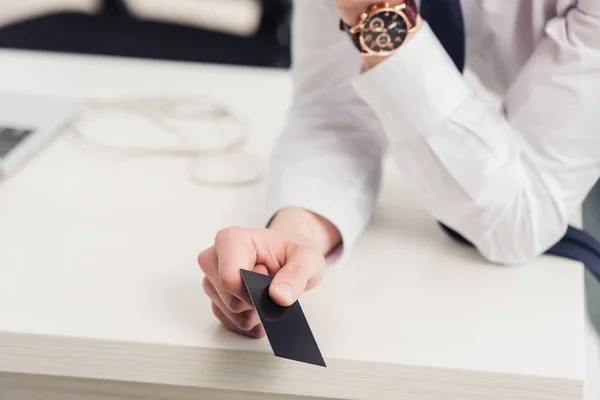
(349, 215)
(416, 88)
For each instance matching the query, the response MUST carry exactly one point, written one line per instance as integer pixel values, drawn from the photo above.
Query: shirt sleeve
(328, 159)
(507, 180)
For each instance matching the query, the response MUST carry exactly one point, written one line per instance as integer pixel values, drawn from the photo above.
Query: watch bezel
(399, 10)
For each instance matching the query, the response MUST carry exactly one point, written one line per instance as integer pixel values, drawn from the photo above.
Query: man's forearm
(314, 227)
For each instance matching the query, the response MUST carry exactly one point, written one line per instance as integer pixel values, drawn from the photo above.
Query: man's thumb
(288, 284)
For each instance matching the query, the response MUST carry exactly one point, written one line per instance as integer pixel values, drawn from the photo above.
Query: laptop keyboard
(11, 137)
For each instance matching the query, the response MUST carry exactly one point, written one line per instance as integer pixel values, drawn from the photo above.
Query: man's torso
(502, 36)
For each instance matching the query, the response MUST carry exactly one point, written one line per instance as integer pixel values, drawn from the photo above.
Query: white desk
(100, 293)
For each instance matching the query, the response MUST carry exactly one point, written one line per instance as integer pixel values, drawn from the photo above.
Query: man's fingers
(256, 332)
(302, 271)
(208, 262)
(229, 302)
(288, 284)
(235, 251)
(261, 269)
(244, 321)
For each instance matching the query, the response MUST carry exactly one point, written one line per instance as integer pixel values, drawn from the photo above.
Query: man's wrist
(392, 30)
(371, 61)
(315, 228)
(350, 11)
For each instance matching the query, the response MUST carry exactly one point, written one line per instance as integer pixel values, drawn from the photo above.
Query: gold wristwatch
(383, 28)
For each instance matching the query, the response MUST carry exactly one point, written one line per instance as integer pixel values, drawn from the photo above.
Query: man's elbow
(513, 243)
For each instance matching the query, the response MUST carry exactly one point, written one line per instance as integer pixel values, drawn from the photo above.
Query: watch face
(384, 31)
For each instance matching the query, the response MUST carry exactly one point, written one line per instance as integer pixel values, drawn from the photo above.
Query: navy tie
(446, 20)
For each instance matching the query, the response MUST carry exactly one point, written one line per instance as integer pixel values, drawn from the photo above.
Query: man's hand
(291, 250)
(350, 10)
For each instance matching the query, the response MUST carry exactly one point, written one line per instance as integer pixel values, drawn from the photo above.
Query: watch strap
(354, 36)
(412, 12)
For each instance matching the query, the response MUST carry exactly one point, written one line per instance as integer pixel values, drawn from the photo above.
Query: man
(508, 181)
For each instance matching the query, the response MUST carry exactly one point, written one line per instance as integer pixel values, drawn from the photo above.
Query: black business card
(286, 327)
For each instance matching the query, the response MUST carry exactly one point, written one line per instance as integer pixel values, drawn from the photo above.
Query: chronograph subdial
(384, 31)
(377, 25)
(384, 40)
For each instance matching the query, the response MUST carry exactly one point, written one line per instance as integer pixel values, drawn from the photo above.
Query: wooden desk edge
(258, 372)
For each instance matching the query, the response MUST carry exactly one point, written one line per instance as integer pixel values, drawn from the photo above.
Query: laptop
(27, 124)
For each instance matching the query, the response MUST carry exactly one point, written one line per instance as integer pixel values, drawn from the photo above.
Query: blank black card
(287, 328)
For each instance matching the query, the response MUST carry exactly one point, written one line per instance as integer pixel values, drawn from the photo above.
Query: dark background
(115, 32)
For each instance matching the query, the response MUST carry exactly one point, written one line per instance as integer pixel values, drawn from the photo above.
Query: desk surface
(98, 273)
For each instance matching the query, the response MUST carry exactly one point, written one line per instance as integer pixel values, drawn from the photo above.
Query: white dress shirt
(508, 180)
